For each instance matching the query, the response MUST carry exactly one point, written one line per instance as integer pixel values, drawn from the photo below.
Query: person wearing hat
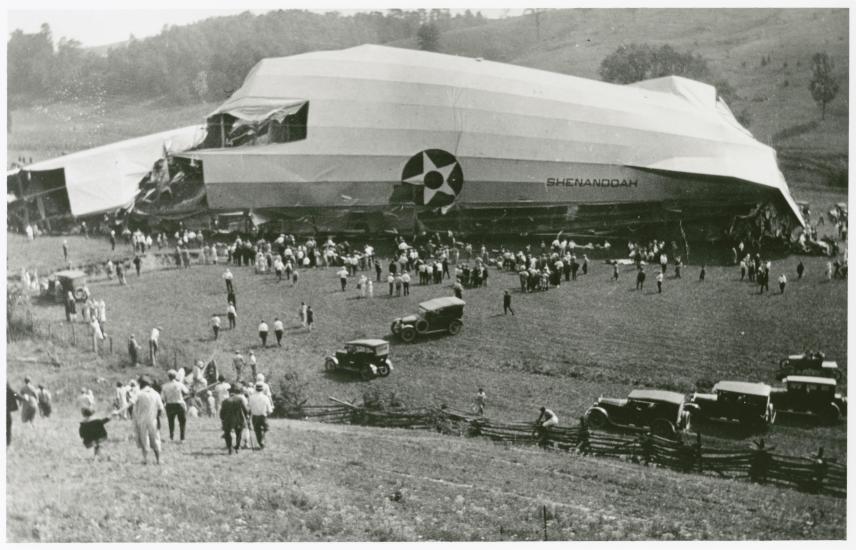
(260, 379)
(173, 394)
(260, 407)
(252, 361)
(148, 407)
(238, 363)
(133, 351)
(233, 414)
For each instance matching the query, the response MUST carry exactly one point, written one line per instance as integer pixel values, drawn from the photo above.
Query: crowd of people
(243, 405)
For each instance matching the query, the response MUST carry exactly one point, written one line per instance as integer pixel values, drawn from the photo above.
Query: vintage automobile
(61, 282)
(808, 364)
(437, 315)
(367, 357)
(811, 395)
(665, 413)
(747, 403)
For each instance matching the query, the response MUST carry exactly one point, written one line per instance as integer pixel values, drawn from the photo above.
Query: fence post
(50, 331)
(111, 343)
(697, 451)
(819, 470)
(544, 515)
(760, 463)
(646, 445)
(584, 445)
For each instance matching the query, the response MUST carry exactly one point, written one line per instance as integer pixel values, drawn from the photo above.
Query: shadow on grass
(726, 430)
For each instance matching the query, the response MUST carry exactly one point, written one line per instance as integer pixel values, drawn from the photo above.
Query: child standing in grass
(92, 430)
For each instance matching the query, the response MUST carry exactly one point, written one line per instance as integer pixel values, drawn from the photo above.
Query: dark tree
(636, 62)
(823, 85)
(428, 37)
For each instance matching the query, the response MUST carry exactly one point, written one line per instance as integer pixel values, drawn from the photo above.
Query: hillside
(318, 482)
(733, 40)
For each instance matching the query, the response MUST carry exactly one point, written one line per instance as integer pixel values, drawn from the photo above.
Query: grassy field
(563, 349)
(317, 482)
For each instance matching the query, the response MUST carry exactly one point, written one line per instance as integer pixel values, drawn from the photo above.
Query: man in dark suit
(233, 414)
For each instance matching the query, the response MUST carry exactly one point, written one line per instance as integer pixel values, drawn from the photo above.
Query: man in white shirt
(263, 333)
(343, 277)
(173, 393)
(260, 407)
(232, 313)
(148, 406)
(215, 325)
(238, 363)
(153, 345)
(278, 329)
(221, 392)
(228, 277)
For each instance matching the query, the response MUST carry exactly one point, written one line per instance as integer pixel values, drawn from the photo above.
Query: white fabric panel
(107, 177)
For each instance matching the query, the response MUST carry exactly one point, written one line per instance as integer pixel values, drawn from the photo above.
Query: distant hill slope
(733, 40)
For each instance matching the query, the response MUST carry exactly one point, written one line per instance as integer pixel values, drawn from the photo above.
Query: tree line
(205, 61)
(635, 62)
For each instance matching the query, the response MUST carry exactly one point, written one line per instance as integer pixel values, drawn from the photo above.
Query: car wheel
(79, 294)
(394, 328)
(383, 369)
(831, 414)
(663, 428)
(408, 334)
(596, 419)
(330, 364)
(422, 326)
(455, 327)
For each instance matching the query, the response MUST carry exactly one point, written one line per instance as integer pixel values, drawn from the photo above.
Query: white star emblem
(428, 167)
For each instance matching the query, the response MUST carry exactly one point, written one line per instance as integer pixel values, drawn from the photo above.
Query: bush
(291, 396)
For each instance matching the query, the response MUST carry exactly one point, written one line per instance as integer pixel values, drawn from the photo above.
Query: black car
(367, 357)
(746, 403)
(811, 395)
(437, 315)
(665, 413)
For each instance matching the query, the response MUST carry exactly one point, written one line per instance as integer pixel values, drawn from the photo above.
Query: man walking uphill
(153, 345)
(506, 304)
(228, 277)
(260, 407)
(173, 393)
(233, 414)
(148, 406)
(263, 333)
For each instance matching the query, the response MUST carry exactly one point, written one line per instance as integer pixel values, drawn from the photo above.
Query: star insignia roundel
(438, 173)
